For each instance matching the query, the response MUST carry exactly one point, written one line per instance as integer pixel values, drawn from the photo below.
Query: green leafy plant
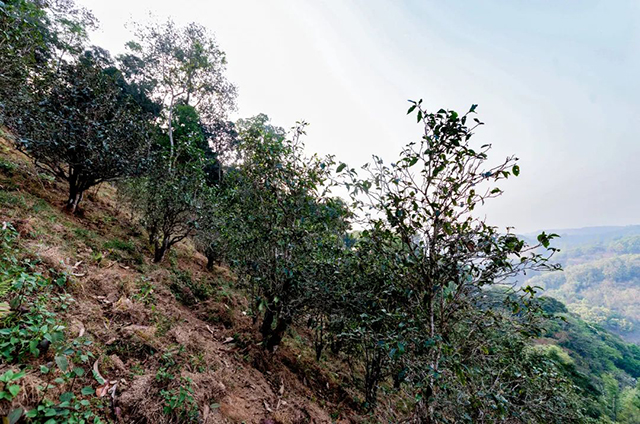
(145, 293)
(280, 217)
(31, 326)
(176, 390)
(10, 389)
(179, 403)
(431, 273)
(76, 102)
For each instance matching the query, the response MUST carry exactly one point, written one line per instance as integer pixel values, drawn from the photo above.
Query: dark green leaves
(545, 239)
(105, 132)
(62, 363)
(425, 253)
(88, 390)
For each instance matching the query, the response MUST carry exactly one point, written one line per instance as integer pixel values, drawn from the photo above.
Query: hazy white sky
(557, 83)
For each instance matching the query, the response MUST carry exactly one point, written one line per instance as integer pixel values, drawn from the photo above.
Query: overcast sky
(557, 83)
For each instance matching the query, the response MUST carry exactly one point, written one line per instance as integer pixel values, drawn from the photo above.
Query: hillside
(165, 258)
(604, 366)
(159, 335)
(144, 336)
(601, 277)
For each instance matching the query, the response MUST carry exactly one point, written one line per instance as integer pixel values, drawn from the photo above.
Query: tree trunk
(277, 334)
(267, 321)
(210, 260)
(373, 375)
(75, 196)
(424, 409)
(160, 250)
(336, 345)
(319, 338)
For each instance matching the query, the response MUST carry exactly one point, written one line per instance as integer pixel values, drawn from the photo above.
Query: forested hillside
(162, 263)
(601, 277)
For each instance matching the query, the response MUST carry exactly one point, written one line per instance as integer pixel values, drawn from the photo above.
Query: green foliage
(145, 293)
(599, 364)
(414, 300)
(628, 406)
(279, 218)
(125, 246)
(31, 326)
(82, 127)
(176, 391)
(31, 329)
(212, 237)
(122, 250)
(7, 167)
(602, 290)
(179, 403)
(10, 388)
(72, 361)
(34, 37)
(190, 62)
(429, 313)
(187, 290)
(169, 197)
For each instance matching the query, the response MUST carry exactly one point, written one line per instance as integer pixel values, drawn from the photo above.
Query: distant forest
(601, 277)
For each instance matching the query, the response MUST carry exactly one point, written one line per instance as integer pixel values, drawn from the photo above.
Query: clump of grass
(122, 245)
(162, 322)
(7, 166)
(123, 250)
(40, 206)
(46, 177)
(88, 237)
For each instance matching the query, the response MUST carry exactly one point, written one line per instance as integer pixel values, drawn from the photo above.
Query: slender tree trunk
(211, 259)
(319, 338)
(160, 249)
(75, 196)
(336, 345)
(171, 144)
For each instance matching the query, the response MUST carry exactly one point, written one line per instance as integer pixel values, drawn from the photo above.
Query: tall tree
(170, 200)
(180, 66)
(84, 128)
(35, 37)
(424, 204)
(280, 215)
(183, 70)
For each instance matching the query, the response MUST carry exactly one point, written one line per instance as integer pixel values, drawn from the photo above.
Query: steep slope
(141, 342)
(155, 343)
(601, 364)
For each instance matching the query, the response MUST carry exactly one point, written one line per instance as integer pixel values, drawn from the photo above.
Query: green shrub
(188, 291)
